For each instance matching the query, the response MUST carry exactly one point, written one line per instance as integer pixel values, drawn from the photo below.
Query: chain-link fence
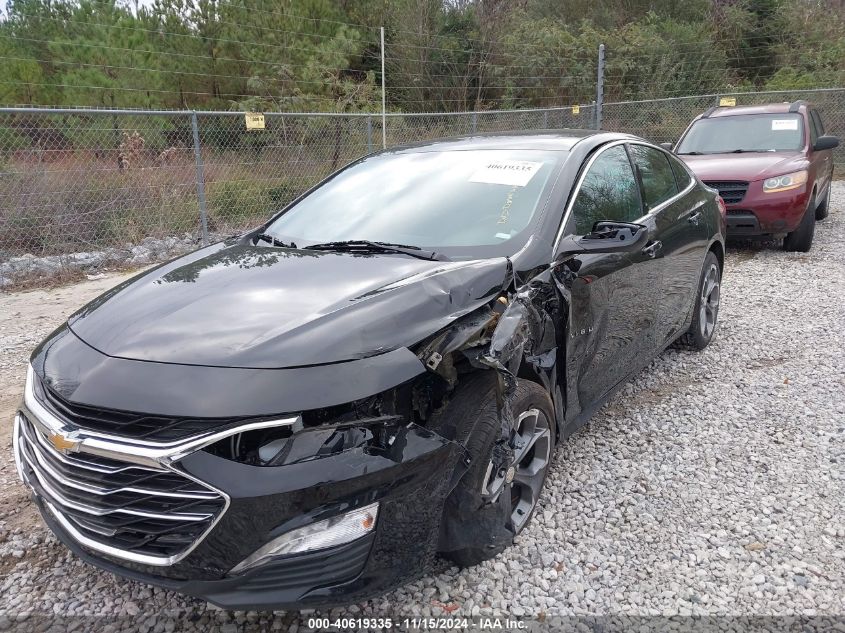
(82, 189)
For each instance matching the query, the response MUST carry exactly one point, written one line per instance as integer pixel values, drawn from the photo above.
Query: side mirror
(825, 142)
(606, 237)
(667, 146)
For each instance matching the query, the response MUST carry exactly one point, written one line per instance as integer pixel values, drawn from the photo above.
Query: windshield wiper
(366, 246)
(690, 153)
(275, 241)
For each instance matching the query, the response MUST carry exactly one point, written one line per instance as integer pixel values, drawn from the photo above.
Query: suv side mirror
(606, 237)
(825, 142)
(667, 146)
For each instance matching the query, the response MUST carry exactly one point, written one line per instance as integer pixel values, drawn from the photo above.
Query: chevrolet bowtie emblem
(61, 443)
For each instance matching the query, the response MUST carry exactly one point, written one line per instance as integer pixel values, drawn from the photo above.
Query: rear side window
(815, 130)
(658, 178)
(682, 176)
(817, 119)
(609, 191)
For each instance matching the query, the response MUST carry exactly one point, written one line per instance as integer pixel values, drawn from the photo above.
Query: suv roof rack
(795, 105)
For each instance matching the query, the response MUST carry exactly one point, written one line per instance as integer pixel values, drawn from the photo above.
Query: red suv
(771, 164)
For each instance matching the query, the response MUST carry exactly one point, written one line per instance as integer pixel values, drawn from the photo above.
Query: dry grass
(77, 202)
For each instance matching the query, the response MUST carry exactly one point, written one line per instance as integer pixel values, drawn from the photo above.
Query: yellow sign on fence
(727, 101)
(576, 109)
(254, 120)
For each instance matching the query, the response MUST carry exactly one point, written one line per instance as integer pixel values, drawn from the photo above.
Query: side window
(814, 128)
(817, 119)
(682, 177)
(608, 192)
(658, 178)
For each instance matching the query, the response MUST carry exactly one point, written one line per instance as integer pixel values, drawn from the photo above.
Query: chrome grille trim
(26, 452)
(152, 454)
(99, 512)
(138, 528)
(78, 463)
(42, 463)
(144, 559)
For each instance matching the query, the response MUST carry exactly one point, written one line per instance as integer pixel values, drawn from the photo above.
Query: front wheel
(823, 209)
(801, 239)
(706, 310)
(496, 497)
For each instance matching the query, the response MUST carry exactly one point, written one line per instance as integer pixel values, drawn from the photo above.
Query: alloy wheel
(709, 303)
(523, 478)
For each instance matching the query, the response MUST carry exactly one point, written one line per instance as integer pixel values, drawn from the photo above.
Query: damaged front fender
(516, 336)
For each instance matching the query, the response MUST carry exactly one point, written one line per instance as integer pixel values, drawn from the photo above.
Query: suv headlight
(785, 182)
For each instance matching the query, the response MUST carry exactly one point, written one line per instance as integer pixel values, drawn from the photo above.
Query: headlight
(282, 446)
(320, 535)
(785, 182)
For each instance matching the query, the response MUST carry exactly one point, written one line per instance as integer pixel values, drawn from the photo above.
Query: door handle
(653, 248)
(693, 219)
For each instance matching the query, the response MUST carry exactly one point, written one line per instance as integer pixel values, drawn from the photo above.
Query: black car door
(678, 212)
(613, 296)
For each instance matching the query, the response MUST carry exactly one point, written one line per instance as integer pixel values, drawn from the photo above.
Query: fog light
(320, 535)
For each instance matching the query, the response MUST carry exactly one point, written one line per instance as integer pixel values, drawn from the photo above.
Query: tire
(478, 522)
(801, 239)
(706, 310)
(823, 209)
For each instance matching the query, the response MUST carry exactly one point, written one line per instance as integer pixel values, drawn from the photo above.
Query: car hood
(748, 167)
(262, 307)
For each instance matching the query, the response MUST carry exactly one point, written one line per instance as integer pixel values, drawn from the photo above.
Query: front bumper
(761, 214)
(315, 579)
(410, 481)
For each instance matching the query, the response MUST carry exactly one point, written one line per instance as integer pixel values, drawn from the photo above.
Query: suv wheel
(824, 208)
(706, 310)
(801, 239)
(490, 506)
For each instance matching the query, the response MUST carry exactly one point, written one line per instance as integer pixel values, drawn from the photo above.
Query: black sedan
(311, 413)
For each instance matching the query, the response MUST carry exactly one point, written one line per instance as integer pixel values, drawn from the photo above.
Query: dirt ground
(25, 319)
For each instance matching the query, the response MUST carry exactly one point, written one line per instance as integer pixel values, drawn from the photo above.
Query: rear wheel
(496, 497)
(801, 239)
(706, 310)
(824, 208)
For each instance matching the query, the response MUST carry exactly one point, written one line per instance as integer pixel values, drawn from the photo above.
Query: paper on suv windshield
(516, 173)
(784, 124)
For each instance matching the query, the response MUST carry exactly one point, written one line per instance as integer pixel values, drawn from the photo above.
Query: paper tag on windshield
(516, 173)
(784, 124)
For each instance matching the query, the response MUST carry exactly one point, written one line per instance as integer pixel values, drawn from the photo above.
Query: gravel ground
(711, 485)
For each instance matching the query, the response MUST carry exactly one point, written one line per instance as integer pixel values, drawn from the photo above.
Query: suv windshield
(745, 132)
(456, 200)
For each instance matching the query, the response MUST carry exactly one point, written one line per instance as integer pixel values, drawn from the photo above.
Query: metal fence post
(200, 179)
(474, 122)
(546, 120)
(600, 87)
(369, 134)
(383, 97)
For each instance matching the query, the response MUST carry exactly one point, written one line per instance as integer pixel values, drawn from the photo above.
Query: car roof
(554, 140)
(769, 108)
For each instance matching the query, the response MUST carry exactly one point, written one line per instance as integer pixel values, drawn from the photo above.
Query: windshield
(749, 132)
(455, 200)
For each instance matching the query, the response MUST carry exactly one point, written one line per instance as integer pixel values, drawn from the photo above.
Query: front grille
(127, 424)
(731, 191)
(137, 509)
